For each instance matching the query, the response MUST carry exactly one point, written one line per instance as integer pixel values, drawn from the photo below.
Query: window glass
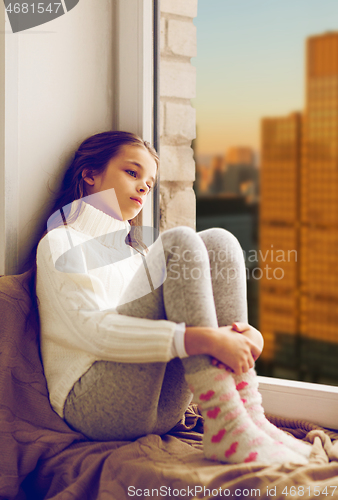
(266, 156)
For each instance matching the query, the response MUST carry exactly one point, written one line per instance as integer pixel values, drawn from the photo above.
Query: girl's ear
(87, 176)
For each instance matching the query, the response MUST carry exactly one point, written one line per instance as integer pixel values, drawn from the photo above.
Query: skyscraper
(319, 207)
(279, 237)
(280, 165)
(320, 161)
(299, 209)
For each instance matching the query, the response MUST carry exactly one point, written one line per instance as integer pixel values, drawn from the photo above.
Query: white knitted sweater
(78, 298)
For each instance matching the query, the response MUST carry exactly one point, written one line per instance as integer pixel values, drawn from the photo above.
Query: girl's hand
(251, 333)
(236, 352)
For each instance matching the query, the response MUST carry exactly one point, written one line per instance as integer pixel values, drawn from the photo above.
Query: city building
(234, 173)
(240, 155)
(241, 176)
(299, 211)
(279, 236)
(319, 207)
(217, 169)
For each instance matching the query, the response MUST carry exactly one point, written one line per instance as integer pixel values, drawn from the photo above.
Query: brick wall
(178, 120)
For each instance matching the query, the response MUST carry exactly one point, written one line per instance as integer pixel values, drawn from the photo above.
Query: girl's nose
(143, 188)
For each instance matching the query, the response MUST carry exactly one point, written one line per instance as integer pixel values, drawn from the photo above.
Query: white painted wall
(58, 90)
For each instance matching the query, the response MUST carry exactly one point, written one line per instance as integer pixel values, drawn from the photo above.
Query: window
(247, 95)
(137, 97)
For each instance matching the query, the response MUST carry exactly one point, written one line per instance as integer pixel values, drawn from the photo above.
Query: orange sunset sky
(251, 63)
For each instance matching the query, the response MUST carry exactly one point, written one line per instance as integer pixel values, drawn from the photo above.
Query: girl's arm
(238, 352)
(71, 297)
(70, 316)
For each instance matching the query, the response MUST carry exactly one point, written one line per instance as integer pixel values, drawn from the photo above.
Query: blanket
(42, 458)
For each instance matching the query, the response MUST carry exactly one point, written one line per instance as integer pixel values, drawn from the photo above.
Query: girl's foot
(229, 434)
(247, 387)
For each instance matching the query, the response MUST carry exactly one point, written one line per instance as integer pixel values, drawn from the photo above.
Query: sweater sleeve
(82, 325)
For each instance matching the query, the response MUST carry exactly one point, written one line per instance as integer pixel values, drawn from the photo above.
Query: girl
(129, 335)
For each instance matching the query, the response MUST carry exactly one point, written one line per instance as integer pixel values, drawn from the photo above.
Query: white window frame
(2, 146)
(8, 149)
(316, 403)
(134, 89)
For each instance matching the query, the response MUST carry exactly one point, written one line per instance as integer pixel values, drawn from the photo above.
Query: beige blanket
(40, 457)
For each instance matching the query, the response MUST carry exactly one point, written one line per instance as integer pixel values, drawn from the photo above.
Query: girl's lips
(136, 201)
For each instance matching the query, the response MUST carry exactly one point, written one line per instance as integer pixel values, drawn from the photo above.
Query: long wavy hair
(94, 154)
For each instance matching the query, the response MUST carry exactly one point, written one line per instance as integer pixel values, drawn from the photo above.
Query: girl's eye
(131, 172)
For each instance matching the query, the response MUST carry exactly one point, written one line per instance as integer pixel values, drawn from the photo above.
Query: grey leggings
(205, 286)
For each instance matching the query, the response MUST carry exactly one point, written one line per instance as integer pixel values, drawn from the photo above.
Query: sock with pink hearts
(229, 434)
(247, 387)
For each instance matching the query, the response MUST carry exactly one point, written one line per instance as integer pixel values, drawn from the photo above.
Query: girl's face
(131, 173)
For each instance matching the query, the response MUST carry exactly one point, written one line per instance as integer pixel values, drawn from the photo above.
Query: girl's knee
(184, 241)
(221, 240)
(180, 235)
(178, 232)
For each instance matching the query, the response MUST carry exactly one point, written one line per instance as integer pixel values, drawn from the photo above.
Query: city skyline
(291, 301)
(255, 78)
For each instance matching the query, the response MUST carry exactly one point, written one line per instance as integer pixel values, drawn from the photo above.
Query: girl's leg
(229, 287)
(228, 275)
(122, 401)
(247, 386)
(128, 400)
(186, 295)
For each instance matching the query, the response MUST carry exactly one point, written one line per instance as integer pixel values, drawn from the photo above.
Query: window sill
(316, 403)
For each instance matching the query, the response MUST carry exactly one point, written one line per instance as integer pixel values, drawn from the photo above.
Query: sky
(251, 64)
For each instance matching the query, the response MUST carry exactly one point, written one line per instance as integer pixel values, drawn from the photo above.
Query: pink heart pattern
(240, 429)
(227, 396)
(216, 438)
(222, 376)
(206, 396)
(241, 385)
(251, 457)
(230, 451)
(213, 413)
(233, 414)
